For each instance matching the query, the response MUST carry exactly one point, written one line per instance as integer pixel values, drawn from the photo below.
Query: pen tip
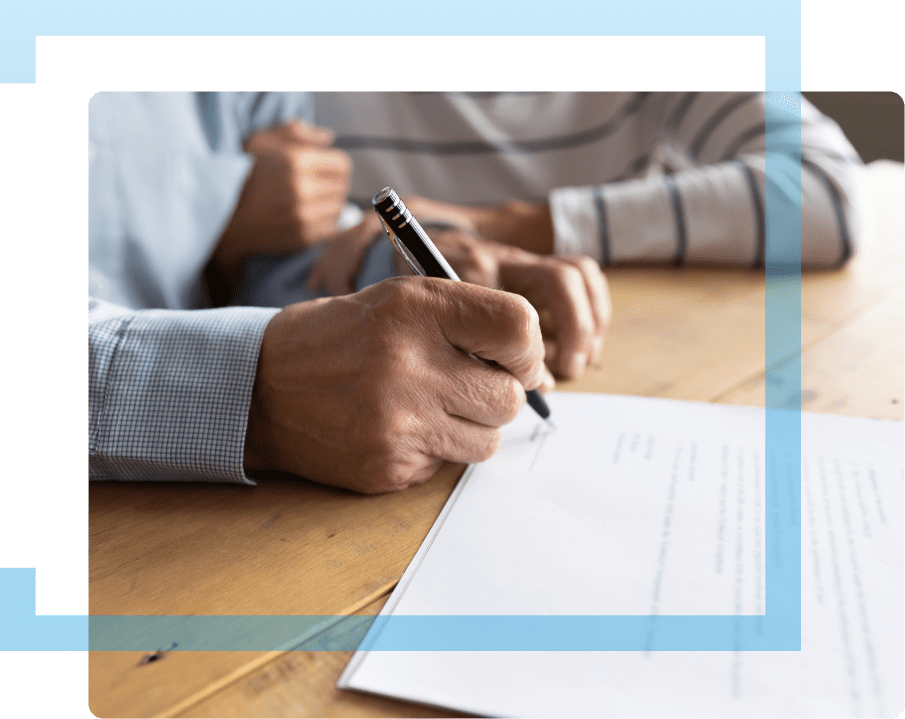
(550, 423)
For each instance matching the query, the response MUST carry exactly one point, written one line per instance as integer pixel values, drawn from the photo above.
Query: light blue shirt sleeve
(170, 391)
(166, 170)
(170, 383)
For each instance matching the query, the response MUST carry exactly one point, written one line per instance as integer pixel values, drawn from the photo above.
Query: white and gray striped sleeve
(711, 208)
(170, 390)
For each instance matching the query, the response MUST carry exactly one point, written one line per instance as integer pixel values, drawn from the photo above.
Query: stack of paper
(652, 508)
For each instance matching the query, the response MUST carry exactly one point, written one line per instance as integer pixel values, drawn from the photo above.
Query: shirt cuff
(350, 216)
(576, 227)
(170, 393)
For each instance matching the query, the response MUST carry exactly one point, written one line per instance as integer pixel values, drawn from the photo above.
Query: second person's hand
(292, 197)
(570, 293)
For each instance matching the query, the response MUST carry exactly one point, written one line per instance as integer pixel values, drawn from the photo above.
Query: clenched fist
(373, 391)
(292, 197)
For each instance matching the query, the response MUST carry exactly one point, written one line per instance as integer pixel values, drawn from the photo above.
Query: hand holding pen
(374, 390)
(425, 259)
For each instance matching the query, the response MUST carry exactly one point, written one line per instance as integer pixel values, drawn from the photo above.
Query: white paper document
(637, 506)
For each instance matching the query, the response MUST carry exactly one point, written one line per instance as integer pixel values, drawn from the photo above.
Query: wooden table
(289, 546)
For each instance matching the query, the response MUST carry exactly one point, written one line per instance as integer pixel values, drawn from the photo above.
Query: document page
(637, 506)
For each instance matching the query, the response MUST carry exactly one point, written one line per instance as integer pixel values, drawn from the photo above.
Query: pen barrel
(410, 238)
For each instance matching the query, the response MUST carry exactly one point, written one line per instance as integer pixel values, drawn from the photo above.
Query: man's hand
(570, 293)
(340, 263)
(372, 391)
(292, 198)
(526, 225)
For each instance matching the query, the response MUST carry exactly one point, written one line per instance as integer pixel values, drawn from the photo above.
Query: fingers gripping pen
(423, 257)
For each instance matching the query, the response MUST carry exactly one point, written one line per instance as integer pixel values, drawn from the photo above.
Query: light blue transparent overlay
(443, 633)
(782, 321)
(779, 629)
(778, 21)
(21, 630)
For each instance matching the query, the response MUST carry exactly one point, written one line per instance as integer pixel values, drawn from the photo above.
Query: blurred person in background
(185, 191)
(619, 177)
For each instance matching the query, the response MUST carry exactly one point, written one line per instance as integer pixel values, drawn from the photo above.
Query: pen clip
(409, 258)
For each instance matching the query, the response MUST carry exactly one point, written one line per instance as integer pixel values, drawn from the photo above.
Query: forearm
(526, 225)
(712, 209)
(705, 215)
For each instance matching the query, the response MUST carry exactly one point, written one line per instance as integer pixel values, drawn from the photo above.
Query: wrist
(526, 225)
(255, 454)
(258, 455)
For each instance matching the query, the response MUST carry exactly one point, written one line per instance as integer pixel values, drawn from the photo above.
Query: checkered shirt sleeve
(170, 391)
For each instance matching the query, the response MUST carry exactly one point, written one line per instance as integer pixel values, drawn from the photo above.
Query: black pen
(419, 253)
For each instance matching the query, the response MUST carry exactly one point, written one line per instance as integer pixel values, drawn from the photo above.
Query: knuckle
(470, 255)
(304, 156)
(396, 426)
(473, 264)
(584, 330)
(397, 477)
(523, 311)
(400, 466)
(590, 267)
(403, 295)
(566, 275)
(304, 184)
(388, 311)
(389, 465)
(403, 288)
(382, 431)
(490, 443)
(525, 322)
(285, 154)
(511, 401)
(294, 127)
(387, 475)
(344, 163)
(483, 267)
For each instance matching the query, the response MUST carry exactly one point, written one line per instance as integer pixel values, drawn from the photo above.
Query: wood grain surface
(289, 546)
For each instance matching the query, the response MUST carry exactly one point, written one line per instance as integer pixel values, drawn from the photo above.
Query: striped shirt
(629, 177)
